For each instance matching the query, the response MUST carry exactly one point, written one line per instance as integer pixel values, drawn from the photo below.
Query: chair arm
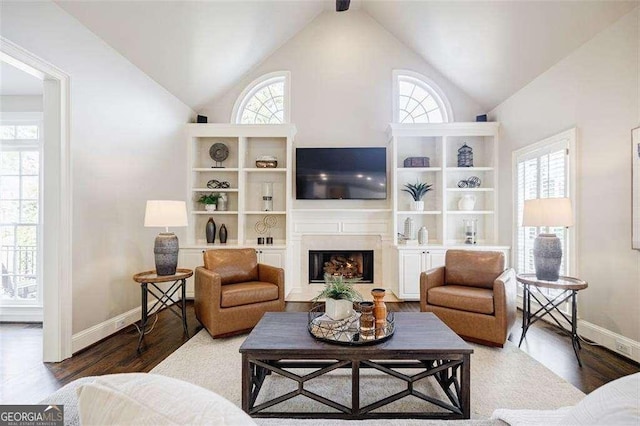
(274, 275)
(429, 279)
(505, 297)
(207, 290)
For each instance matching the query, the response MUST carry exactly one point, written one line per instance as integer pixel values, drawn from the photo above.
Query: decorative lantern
(465, 156)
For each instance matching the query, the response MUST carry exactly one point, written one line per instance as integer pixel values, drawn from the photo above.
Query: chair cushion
(470, 299)
(473, 268)
(247, 293)
(233, 265)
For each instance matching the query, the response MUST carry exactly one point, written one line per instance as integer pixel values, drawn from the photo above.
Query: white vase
(467, 202)
(338, 309)
(210, 207)
(416, 206)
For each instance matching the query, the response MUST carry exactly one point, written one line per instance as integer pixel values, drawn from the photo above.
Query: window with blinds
(542, 170)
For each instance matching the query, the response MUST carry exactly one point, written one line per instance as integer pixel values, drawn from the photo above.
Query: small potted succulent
(209, 201)
(417, 191)
(339, 296)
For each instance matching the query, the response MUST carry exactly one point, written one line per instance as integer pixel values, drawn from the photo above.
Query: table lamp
(547, 248)
(165, 213)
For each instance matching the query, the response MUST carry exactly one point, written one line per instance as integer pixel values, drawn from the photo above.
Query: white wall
(127, 147)
(341, 86)
(595, 89)
(21, 103)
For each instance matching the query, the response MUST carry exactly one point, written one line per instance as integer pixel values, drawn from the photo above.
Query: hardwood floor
(25, 379)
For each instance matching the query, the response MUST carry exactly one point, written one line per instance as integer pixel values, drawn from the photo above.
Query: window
(264, 101)
(418, 100)
(20, 163)
(544, 170)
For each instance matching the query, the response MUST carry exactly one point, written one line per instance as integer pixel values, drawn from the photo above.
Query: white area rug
(500, 378)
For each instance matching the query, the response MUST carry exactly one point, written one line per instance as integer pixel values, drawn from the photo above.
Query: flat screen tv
(341, 174)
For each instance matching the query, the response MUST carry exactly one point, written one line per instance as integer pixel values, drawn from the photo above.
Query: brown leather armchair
(473, 294)
(233, 291)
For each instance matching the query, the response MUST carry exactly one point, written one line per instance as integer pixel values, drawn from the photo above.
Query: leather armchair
(233, 291)
(473, 294)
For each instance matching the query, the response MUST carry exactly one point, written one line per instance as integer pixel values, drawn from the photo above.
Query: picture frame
(635, 188)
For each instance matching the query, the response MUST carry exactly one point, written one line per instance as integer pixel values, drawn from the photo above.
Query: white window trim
(18, 118)
(430, 86)
(570, 136)
(257, 84)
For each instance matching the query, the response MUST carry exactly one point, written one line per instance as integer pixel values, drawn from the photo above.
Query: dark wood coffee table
(281, 343)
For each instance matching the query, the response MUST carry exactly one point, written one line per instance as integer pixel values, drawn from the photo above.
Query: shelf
(215, 189)
(264, 169)
(423, 212)
(213, 169)
(419, 169)
(470, 189)
(470, 169)
(266, 213)
(470, 212)
(342, 210)
(214, 212)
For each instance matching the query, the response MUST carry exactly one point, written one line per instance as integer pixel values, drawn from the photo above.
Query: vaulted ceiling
(198, 50)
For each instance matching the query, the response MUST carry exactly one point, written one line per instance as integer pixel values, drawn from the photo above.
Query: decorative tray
(347, 331)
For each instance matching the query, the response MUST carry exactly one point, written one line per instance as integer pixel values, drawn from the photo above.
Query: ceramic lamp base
(166, 253)
(547, 256)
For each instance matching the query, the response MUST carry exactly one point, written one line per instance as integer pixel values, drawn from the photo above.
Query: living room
(138, 72)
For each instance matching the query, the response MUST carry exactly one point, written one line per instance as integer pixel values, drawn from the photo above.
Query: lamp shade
(165, 213)
(547, 212)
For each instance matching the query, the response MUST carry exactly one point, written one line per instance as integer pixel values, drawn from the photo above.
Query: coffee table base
(451, 372)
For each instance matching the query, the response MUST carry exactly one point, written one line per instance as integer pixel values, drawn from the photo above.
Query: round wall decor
(219, 152)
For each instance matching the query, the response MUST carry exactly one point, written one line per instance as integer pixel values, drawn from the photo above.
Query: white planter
(338, 309)
(416, 206)
(210, 207)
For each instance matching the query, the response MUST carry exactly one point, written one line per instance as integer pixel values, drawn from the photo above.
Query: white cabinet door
(272, 257)
(411, 263)
(436, 258)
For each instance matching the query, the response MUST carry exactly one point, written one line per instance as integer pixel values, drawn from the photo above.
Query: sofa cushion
(150, 399)
(473, 268)
(615, 403)
(233, 265)
(247, 293)
(470, 299)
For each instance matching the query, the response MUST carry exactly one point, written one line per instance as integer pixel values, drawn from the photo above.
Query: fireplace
(348, 263)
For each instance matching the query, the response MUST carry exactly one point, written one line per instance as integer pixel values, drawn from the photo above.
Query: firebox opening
(348, 263)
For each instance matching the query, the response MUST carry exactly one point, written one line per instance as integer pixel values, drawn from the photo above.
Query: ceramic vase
(379, 311)
(467, 202)
(210, 207)
(416, 206)
(210, 231)
(338, 309)
(223, 234)
(547, 257)
(423, 236)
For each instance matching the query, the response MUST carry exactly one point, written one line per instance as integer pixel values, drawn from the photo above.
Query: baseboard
(106, 328)
(595, 333)
(21, 314)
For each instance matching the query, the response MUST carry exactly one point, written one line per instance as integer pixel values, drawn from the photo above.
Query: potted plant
(339, 296)
(209, 201)
(417, 191)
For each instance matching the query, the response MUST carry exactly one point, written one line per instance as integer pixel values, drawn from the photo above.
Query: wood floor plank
(25, 379)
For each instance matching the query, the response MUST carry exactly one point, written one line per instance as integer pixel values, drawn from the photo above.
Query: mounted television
(341, 173)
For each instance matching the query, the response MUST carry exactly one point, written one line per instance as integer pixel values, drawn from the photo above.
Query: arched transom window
(419, 101)
(264, 101)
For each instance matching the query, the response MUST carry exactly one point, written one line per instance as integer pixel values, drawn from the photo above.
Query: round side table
(569, 287)
(164, 298)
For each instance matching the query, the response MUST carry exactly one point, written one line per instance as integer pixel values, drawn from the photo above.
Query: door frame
(57, 202)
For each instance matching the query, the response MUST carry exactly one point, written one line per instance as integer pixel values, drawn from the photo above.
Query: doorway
(47, 278)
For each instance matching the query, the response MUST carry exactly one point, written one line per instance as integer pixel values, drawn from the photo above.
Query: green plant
(339, 287)
(417, 190)
(209, 199)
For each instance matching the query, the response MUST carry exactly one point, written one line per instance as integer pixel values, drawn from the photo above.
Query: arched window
(264, 101)
(419, 100)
